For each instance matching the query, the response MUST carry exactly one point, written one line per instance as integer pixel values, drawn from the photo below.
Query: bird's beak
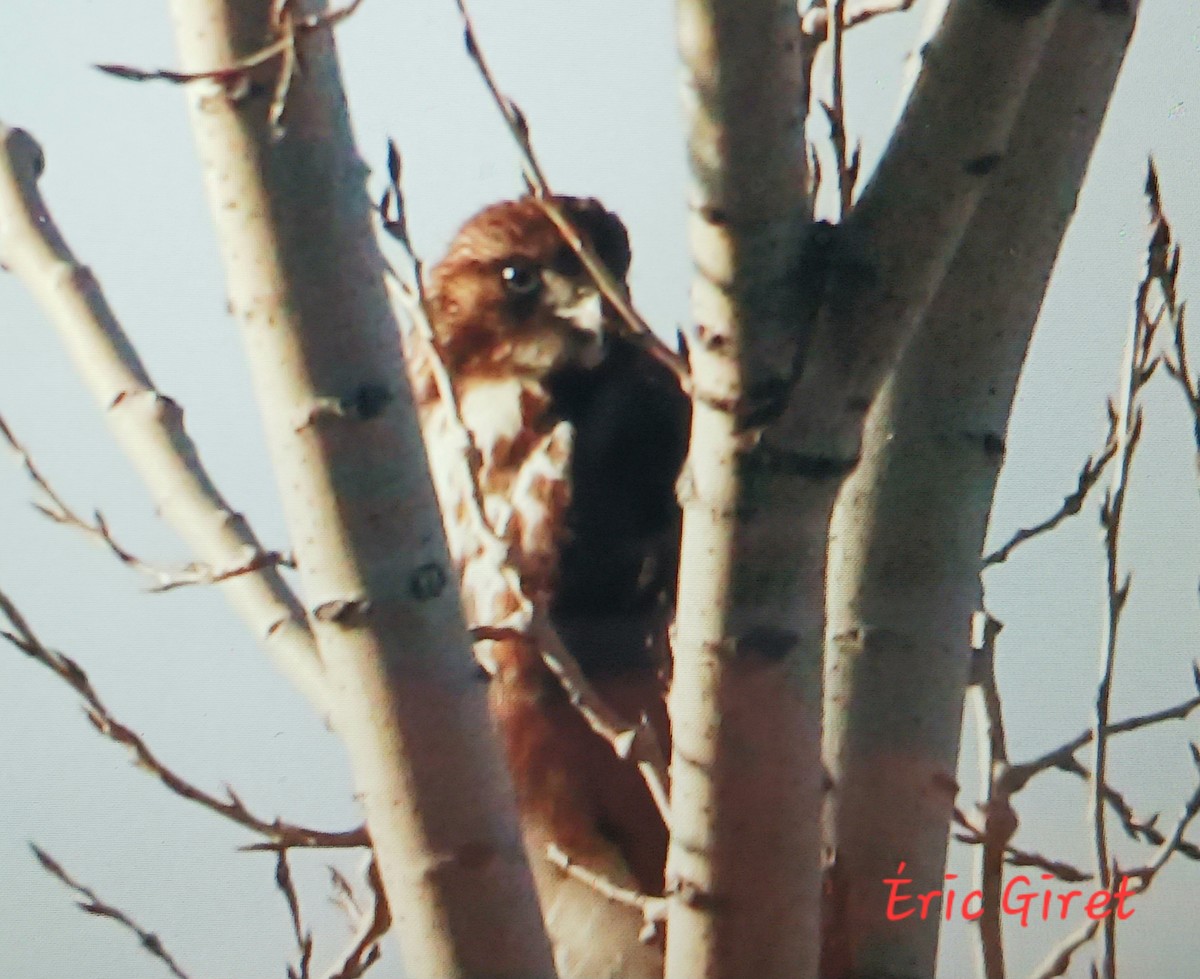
(581, 305)
(586, 311)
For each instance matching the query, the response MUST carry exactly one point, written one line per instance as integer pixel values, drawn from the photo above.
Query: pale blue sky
(597, 81)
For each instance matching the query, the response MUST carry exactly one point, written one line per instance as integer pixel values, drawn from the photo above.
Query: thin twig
(1005, 780)
(1089, 475)
(1135, 828)
(147, 424)
(1000, 818)
(972, 835)
(231, 74)
(1059, 960)
(343, 895)
(93, 904)
(165, 579)
(456, 469)
(653, 909)
(1174, 310)
(303, 936)
(1181, 370)
(1016, 776)
(636, 742)
(1137, 370)
(814, 25)
(835, 113)
(514, 118)
(235, 78)
(539, 188)
(1173, 842)
(232, 808)
(365, 950)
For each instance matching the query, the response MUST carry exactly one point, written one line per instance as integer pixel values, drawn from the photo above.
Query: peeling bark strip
(306, 280)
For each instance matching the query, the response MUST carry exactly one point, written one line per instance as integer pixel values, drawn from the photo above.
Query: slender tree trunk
(306, 285)
(909, 526)
(745, 699)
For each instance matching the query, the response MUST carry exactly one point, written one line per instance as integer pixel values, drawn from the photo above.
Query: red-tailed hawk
(579, 436)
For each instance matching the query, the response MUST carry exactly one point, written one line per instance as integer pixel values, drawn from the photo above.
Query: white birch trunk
(758, 492)
(745, 699)
(909, 526)
(306, 285)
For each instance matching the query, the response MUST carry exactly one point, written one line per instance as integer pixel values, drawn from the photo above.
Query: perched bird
(578, 437)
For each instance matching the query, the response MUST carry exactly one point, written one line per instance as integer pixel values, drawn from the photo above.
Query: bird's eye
(520, 279)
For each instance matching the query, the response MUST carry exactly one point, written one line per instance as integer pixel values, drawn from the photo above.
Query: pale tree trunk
(770, 449)
(147, 425)
(306, 285)
(908, 530)
(745, 698)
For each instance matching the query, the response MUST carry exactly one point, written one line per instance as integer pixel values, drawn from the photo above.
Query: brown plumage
(580, 436)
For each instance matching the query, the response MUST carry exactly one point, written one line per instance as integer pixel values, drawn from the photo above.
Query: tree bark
(306, 284)
(147, 425)
(909, 526)
(745, 705)
(778, 425)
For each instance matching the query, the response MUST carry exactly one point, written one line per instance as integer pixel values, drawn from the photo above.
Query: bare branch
(232, 808)
(1016, 776)
(1138, 368)
(1000, 818)
(654, 909)
(93, 904)
(303, 936)
(97, 528)
(815, 21)
(236, 77)
(1180, 369)
(973, 835)
(365, 950)
(147, 424)
(1089, 475)
(634, 742)
(637, 329)
(421, 355)
(1059, 960)
(1134, 827)
(1173, 842)
(535, 180)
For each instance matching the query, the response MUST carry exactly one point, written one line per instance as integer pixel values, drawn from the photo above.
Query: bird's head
(511, 296)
